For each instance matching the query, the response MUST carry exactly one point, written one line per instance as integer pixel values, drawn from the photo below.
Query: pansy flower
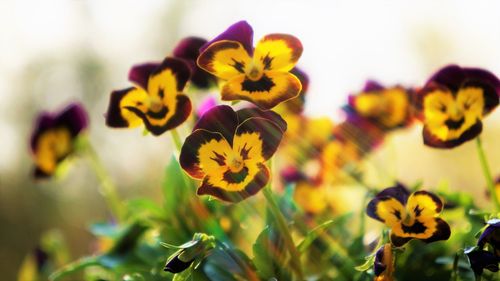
(410, 216)
(453, 102)
(383, 266)
(188, 49)
(54, 135)
(260, 75)
(156, 101)
(480, 260)
(227, 150)
(491, 236)
(388, 108)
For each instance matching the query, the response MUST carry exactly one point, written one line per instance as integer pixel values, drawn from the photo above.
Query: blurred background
(54, 52)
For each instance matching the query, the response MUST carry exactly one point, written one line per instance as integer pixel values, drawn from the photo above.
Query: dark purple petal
(471, 133)
(74, 117)
(450, 76)
(399, 241)
(188, 157)
(241, 32)
(480, 260)
(490, 235)
(251, 112)
(114, 118)
(372, 86)
(139, 74)
(258, 182)
(398, 192)
(221, 119)
(269, 132)
(292, 174)
(189, 50)
(378, 265)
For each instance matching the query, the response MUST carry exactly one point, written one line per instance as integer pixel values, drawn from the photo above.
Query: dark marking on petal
(238, 177)
(114, 117)
(267, 60)
(244, 151)
(442, 232)
(416, 228)
(471, 133)
(418, 210)
(399, 241)
(397, 214)
(454, 124)
(158, 114)
(264, 84)
(238, 65)
(219, 158)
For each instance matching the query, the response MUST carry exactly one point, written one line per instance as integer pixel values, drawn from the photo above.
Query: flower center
(253, 72)
(156, 104)
(235, 164)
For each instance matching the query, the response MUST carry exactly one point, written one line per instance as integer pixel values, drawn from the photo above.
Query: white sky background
(345, 42)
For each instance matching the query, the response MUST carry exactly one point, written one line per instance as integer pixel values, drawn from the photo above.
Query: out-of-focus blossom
(383, 267)
(453, 102)
(335, 157)
(491, 236)
(480, 260)
(311, 198)
(53, 138)
(260, 75)
(227, 150)
(157, 100)
(295, 105)
(388, 108)
(188, 49)
(206, 104)
(410, 216)
(359, 132)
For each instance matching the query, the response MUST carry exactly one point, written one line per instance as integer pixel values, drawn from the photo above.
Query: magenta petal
(139, 74)
(241, 32)
(372, 86)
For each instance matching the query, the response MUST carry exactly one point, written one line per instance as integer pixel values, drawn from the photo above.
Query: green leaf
(367, 265)
(174, 187)
(74, 267)
(270, 255)
(313, 234)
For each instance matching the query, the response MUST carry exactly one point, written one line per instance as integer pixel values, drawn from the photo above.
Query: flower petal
(224, 59)
(425, 229)
(159, 122)
(250, 112)
(240, 32)
(423, 204)
(273, 88)
(118, 116)
(433, 141)
(221, 119)
(258, 134)
(386, 209)
(278, 52)
(257, 182)
(139, 74)
(189, 50)
(168, 79)
(192, 155)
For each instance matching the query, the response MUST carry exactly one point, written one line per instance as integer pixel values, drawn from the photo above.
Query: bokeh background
(53, 52)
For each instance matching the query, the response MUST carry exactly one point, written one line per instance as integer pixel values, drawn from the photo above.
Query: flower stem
(283, 227)
(107, 188)
(176, 139)
(487, 173)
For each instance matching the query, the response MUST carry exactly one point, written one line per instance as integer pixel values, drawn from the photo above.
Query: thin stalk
(283, 227)
(106, 188)
(487, 173)
(176, 139)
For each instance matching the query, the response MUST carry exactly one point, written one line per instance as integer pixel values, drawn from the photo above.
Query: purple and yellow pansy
(410, 216)
(156, 101)
(453, 102)
(260, 75)
(227, 151)
(388, 108)
(53, 137)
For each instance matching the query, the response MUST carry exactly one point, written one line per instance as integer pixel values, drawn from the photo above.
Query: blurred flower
(480, 260)
(312, 199)
(491, 235)
(410, 216)
(157, 100)
(388, 108)
(188, 49)
(198, 248)
(205, 105)
(53, 138)
(453, 102)
(295, 105)
(228, 150)
(360, 133)
(335, 157)
(383, 266)
(261, 75)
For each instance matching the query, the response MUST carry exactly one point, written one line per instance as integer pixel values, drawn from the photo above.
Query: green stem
(107, 188)
(283, 227)
(73, 267)
(176, 139)
(487, 173)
